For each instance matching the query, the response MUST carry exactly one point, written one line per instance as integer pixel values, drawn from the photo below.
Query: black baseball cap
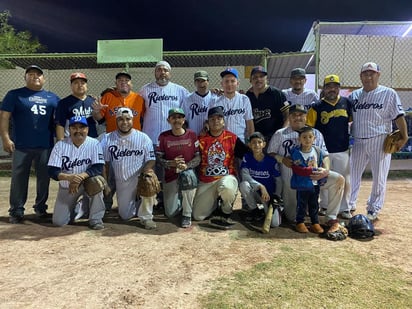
(297, 108)
(34, 67)
(218, 110)
(123, 74)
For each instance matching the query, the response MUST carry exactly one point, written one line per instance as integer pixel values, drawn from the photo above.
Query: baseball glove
(340, 234)
(148, 184)
(389, 145)
(96, 184)
(187, 180)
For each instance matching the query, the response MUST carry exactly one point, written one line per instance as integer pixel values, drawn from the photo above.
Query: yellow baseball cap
(331, 79)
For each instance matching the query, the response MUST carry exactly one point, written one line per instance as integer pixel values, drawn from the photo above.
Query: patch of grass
(315, 279)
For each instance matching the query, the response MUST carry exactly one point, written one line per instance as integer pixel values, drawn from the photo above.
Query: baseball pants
(126, 197)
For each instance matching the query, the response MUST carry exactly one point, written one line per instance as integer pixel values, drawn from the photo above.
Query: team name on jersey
(259, 115)
(155, 98)
(68, 165)
(81, 111)
(179, 143)
(37, 99)
(230, 111)
(325, 116)
(259, 174)
(197, 110)
(357, 105)
(116, 153)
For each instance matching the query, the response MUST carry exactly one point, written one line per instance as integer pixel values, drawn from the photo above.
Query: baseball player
(129, 151)
(217, 173)
(236, 106)
(280, 146)
(31, 109)
(269, 104)
(196, 104)
(76, 104)
(178, 150)
(297, 94)
(160, 96)
(374, 108)
(72, 160)
(331, 116)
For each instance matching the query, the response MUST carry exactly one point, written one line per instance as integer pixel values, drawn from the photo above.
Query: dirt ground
(125, 266)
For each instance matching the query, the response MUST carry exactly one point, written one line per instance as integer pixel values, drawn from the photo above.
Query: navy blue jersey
(32, 115)
(71, 106)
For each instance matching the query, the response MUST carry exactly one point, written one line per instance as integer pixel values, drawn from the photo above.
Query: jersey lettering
(39, 109)
(325, 116)
(116, 154)
(69, 165)
(197, 110)
(155, 98)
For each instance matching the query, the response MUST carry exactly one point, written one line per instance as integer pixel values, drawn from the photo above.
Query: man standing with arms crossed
(374, 108)
(31, 109)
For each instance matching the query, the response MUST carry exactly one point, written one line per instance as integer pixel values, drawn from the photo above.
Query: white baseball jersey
(127, 154)
(158, 101)
(374, 111)
(237, 111)
(284, 140)
(75, 160)
(195, 108)
(306, 98)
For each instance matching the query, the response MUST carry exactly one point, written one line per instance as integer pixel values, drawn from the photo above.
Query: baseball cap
(124, 111)
(201, 75)
(123, 74)
(256, 135)
(298, 72)
(370, 66)
(78, 119)
(176, 111)
(218, 110)
(258, 69)
(34, 67)
(165, 64)
(232, 71)
(331, 79)
(77, 75)
(297, 108)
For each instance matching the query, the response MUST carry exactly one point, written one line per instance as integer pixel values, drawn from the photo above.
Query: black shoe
(16, 219)
(221, 222)
(42, 214)
(186, 222)
(97, 226)
(255, 215)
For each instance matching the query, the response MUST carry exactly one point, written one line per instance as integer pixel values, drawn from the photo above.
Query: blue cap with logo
(78, 119)
(232, 71)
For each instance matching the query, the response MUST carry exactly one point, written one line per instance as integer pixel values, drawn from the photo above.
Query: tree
(15, 42)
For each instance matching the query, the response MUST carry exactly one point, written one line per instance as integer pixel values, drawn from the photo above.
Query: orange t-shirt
(114, 100)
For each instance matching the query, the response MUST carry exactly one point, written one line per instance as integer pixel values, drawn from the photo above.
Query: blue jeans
(22, 161)
(309, 199)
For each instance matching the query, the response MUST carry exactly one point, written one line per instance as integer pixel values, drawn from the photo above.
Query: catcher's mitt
(337, 234)
(187, 180)
(148, 184)
(389, 145)
(96, 184)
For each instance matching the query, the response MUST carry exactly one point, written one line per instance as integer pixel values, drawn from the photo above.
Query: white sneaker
(346, 215)
(372, 216)
(149, 224)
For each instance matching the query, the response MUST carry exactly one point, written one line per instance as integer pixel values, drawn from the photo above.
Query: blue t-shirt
(32, 117)
(263, 171)
(71, 106)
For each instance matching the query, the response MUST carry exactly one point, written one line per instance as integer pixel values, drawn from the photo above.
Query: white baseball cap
(124, 111)
(370, 66)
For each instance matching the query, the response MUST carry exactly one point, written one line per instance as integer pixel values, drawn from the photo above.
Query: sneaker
(186, 222)
(372, 216)
(346, 214)
(221, 222)
(15, 219)
(316, 228)
(149, 224)
(97, 226)
(322, 212)
(301, 228)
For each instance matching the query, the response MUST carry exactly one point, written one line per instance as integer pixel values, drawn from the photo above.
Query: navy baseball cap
(297, 108)
(123, 74)
(34, 67)
(256, 135)
(232, 71)
(258, 69)
(218, 110)
(78, 119)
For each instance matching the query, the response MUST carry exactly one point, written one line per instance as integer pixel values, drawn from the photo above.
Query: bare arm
(250, 127)
(59, 132)
(8, 144)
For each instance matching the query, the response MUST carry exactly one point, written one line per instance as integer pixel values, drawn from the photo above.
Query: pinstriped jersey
(75, 160)
(306, 98)
(285, 139)
(374, 111)
(158, 101)
(127, 153)
(195, 107)
(332, 120)
(237, 111)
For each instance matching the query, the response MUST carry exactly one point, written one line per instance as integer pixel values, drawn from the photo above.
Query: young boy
(258, 172)
(306, 159)
(177, 151)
